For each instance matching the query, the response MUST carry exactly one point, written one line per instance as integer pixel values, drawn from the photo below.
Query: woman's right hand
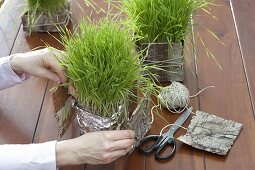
(95, 148)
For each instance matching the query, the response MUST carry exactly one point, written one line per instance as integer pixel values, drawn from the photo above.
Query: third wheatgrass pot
(109, 78)
(163, 26)
(46, 15)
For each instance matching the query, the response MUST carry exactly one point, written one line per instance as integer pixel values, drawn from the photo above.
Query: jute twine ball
(174, 97)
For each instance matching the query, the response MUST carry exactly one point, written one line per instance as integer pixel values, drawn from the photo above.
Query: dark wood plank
(230, 97)
(120, 164)
(10, 22)
(19, 109)
(82, 11)
(47, 125)
(20, 105)
(244, 18)
(137, 160)
(186, 157)
(46, 129)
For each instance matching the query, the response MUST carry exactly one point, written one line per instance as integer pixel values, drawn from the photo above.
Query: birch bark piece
(140, 121)
(62, 108)
(211, 133)
(60, 97)
(168, 57)
(65, 116)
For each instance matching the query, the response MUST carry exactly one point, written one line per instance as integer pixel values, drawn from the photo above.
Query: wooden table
(26, 110)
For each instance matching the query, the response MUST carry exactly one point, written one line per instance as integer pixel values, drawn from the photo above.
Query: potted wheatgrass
(46, 15)
(107, 75)
(163, 24)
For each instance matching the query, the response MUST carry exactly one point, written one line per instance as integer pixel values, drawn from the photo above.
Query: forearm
(28, 157)
(65, 153)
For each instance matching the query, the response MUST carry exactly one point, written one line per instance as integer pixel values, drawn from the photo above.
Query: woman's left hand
(40, 63)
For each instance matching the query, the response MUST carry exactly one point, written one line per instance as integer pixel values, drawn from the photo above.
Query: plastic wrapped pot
(139, 121)
(67, 108)
(45, 22)
(168, 58)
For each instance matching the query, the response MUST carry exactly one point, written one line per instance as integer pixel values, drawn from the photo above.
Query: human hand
(95, 148)
(40, 63)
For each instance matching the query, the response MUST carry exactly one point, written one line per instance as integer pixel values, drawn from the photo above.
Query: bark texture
(211, 133)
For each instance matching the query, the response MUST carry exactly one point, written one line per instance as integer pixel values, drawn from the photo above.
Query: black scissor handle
(158, 154)
(146, 140)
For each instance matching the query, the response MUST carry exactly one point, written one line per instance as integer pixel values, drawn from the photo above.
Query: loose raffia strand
(172, 125)
(152, 115)
(200, 91)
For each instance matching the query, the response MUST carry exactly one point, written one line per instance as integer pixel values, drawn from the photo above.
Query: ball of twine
(174, 97)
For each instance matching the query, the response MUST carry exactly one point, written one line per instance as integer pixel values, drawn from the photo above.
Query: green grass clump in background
(162, 20)
(36, 8)
(1, 2)
(46, 5)
(103, 67)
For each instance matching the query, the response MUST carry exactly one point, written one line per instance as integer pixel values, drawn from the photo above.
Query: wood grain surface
(230, 98)
(26, 110)
(242, 12)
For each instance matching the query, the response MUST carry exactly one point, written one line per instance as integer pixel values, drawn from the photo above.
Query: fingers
(120, 134)
(48, 74)
(120, 140)
(125, 144)
(53, 62)
(59, 70)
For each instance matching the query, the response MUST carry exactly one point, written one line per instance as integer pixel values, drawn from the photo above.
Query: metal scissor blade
(180, 121)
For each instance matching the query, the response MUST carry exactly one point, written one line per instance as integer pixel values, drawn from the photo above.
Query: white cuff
(28, 157)
(7, 76)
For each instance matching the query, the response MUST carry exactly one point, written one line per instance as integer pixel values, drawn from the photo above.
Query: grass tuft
(48, 6)
(162, 20)
(103, 66)
(36, 8)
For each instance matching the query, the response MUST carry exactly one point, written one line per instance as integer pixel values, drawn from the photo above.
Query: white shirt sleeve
(28, 157)
(23, 157)
(8, 77)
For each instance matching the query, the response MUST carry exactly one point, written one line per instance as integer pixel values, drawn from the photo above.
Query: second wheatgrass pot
(168, 58)
(163, 26)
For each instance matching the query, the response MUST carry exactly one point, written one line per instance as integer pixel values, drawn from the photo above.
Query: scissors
(161, 142)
